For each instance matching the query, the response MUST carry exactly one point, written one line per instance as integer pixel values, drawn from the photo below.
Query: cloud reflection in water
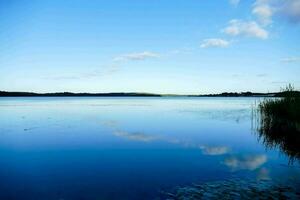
(263, 174)
(137, 136)
(214, 150)
(140, 136)
(250, 162)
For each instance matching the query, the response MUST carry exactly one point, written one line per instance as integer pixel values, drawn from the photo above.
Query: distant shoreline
(120, 94)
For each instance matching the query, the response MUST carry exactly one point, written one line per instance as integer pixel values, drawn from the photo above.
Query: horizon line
(18, 93)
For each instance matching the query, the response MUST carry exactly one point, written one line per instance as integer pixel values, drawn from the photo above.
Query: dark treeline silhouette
(133, 94)
(239, 94)
(70, 94)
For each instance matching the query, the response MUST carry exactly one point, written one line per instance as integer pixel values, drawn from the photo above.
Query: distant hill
(121, 94)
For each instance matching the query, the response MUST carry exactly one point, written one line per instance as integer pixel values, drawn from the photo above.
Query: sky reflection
(71, 143)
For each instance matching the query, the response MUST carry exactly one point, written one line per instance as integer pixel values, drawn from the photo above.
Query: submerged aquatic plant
(235, 189)
(279, 123)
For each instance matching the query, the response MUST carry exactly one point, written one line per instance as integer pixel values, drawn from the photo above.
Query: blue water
(129, 148)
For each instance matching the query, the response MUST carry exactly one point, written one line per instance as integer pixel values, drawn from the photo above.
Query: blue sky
(159, 46)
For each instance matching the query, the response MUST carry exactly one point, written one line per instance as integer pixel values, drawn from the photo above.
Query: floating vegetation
(279, 123)
(234, 189)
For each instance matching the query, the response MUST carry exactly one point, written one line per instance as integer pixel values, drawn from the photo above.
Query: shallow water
(129, 148)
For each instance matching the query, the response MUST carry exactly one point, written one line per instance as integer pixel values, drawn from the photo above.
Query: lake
(130, 147)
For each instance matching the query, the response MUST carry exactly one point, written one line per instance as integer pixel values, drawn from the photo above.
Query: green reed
(279, 123)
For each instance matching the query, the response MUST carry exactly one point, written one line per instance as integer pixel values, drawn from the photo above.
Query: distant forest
(120, 94)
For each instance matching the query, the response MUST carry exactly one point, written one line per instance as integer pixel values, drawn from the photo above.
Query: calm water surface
(129, 148)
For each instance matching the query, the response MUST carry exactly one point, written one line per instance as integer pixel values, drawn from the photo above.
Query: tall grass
(280, 123)
(287, 107)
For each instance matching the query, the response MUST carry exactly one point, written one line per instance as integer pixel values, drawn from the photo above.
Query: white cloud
(291, 60)
(137, 56)
(213, 151)
(234, 2)
(246, 28)
(246, 162)
(263, 11)
(214, 42)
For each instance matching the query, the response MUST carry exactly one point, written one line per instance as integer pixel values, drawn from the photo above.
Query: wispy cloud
(214, 42)
(280, 82)
(245, 28)
(234, 2)
(236, 75)
(290, 60)
(137, 56)
(184, 50)
(262, 75)
(62, 77)
(105, 71)
(250, 162)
